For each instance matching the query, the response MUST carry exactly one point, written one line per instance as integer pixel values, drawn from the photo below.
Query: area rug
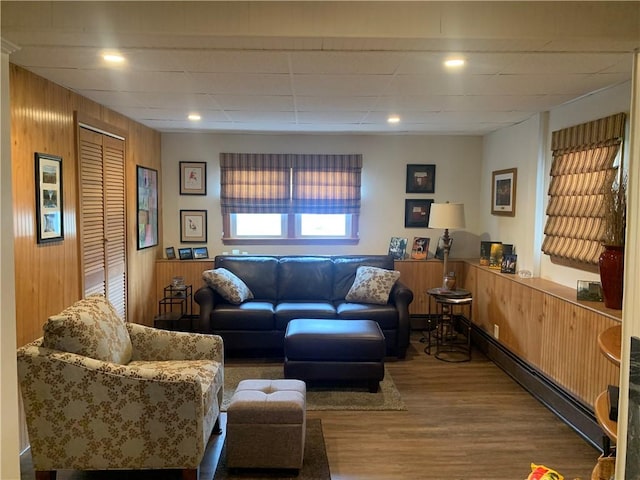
(338, 397)
(314, 467)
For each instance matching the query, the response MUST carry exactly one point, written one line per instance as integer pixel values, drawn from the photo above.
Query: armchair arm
(206, 298)
(402, 296)
(155, 344)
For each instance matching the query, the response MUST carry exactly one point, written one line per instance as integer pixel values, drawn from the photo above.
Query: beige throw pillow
(92, 328)
(228, 285)
(372, 285)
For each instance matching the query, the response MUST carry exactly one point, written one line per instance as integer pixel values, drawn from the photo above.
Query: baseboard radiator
(567, 407)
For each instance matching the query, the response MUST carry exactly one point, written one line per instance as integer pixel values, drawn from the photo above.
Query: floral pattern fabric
(228, 285)
(372, 285)
(156, 412)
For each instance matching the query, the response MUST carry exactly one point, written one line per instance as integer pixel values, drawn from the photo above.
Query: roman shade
(582, 170)
(290, 183)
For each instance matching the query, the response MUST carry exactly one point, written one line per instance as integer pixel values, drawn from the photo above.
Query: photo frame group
(193, 226)
(421, 178)
(147, 205)
(193, 178)
(503, 192)
(49, 211)
(416, 213)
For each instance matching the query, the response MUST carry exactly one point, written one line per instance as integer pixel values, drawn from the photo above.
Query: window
(584, 167)
(289, 198)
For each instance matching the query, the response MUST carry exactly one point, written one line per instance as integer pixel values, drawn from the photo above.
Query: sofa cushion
(344, 270)
(384, 315)
(92, 328)
(228, 285)
(372, 285)
(259, 273)
(287, 311)
(251, 315)
(305, 278)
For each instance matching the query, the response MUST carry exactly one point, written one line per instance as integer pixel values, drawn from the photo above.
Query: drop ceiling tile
(240, 84)
(253, 62)
(574, 63)
(252, 117)
(354, 63)
(331, 117)
(255, 102)
(335, 103)
(340, 85)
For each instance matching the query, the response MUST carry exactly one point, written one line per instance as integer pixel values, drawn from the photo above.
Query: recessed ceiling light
(113, 57)
(454, 62)
(194, 117)
(393, 119)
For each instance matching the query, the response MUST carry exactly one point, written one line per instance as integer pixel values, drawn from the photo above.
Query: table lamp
(446, 215)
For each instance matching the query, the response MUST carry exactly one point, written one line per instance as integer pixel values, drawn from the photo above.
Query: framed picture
(200, 252)
(185, 253)
(589, 291)
(49, 212)
(193, 178)
(416, 213)
(420, 248)
(421, 178)
(171, 253)
(193, 226)
(503, 192)
(147, 207)
(509, 263)
(398, 247)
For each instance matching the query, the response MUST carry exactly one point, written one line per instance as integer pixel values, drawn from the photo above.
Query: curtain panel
(290, 183)
(582, 170)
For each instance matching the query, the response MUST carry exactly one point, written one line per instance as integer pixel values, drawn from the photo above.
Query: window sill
(290, 241)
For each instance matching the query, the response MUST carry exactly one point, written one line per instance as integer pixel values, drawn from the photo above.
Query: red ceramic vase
(612, 275)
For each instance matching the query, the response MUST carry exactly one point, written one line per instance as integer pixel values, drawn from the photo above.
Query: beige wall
(458, 165)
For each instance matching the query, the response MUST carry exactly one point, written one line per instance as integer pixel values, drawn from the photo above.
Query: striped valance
(290, 183)
(582, 170)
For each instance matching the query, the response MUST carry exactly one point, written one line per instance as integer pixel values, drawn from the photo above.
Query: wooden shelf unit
(610, 343)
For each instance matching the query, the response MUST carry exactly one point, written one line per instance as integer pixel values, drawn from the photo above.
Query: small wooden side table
(451, 344)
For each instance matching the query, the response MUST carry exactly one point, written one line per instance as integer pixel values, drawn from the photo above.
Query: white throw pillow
(228, 285)
(372, 285)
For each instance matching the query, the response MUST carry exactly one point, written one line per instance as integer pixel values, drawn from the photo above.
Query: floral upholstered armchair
(102, 394)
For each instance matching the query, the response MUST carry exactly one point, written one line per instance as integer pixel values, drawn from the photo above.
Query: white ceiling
(327, 66)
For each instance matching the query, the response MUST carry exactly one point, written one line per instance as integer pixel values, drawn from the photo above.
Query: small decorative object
(193, 178)
(420, 249)
(449, 282)
(416, 213)
(177, 281)
(200, 252)
(147, 207)
(495, 256)
(503, 192)
(421, 178)
(589, 291)
(185, 253)
(49, 212)
(485, 252)
(193, 226)
(398, 247)
(171, 253)
(509, 263)
(440, 248)
(611, 260)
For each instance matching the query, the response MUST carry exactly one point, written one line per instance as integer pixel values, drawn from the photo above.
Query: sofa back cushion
(305, 278)
(259, 273)
(92, 328)
(344, 272)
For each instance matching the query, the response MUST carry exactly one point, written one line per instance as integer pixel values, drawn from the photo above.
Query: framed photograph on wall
(49, 212)
(416, 213)
(193, 226)
(193, 178)
(503, 192)
(147, 192)
(421, 178)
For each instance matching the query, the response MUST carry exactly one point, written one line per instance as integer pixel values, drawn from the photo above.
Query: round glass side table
(451, 338)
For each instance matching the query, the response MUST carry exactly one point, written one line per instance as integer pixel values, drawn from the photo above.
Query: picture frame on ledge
(420, 248)
(49, 210)
(503, 192)
(185, 253)
(421, 178)
(398, 248)
(200, 253)
(171, 253)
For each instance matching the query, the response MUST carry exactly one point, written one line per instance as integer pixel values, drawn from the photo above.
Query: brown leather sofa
(288, 287)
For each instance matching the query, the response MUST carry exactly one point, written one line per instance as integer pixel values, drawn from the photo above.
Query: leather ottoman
(319, 350)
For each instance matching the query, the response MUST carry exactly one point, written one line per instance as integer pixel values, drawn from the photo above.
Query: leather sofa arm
(402, 296)
(206, 298)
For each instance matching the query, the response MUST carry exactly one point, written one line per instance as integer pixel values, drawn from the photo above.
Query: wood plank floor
(464, 421)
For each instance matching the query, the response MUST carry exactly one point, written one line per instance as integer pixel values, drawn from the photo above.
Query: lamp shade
(447, 215)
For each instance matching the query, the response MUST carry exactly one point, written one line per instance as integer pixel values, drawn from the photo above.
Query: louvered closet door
(102, 220)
